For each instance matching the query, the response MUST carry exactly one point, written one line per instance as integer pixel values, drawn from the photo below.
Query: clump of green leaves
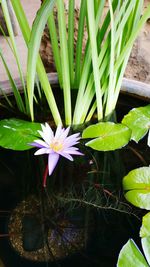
(97, 74)
(106, 136)
(136, 185)
(130, 253)
(138, 120)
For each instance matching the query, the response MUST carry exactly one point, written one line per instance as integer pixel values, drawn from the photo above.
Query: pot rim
(130, 87)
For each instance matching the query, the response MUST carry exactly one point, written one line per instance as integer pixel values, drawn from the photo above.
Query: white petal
(73, 138)
(65, 155)
(42, 134)
(52, 162)
(73, 152)
(64, 134)
(76, 135)
(43, 127)
(46, 133)
(47, 138)
(59, 131)
(71, 148)
(43, 151)
(42, 143)
(49, 130)
(70, 143)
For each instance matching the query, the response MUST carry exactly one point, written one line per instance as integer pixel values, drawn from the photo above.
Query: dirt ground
(138, 67)
(139, 63)
(30, 8)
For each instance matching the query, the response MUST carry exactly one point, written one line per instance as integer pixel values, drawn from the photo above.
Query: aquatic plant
(136, 186)
(56, 145)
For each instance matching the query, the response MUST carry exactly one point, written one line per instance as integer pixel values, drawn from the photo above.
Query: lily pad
(146, 247)
(108, 136)
(16, 134)
(145, 228)
(130, 255)
(138, 120)
(145, 235)
(137, 187)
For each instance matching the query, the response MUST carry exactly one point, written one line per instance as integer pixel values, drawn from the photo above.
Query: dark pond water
(111, 231)
(19, 176)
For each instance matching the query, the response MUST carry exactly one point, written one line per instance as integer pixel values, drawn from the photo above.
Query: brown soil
(139, 63)
(58, 247)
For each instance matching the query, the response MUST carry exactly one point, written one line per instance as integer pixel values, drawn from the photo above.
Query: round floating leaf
(17, 134)
(145, 228)
(108, 136)
(130, 255)
(145, 235)
(146, 247)
(137, 185)
(148, 139)
(138, 120)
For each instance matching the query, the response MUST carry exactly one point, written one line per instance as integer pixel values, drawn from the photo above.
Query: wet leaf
(108, 136)
(137, 185)
(145, 228)
(146, 247)
(145, 235)
(16, 134)
(130, 255)
(138, 120)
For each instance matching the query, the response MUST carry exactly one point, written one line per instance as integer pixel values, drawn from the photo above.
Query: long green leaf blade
(24, 26)
(14, 47)
(34, 45)
(65, 62)
(111, 66)
(94, 52)
(133, 36)
(55, 46)
(71, 40)
(79, 42)
(15, 90)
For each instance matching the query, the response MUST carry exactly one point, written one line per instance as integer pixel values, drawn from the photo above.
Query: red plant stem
(45, 175)
(4, 235)
(98, 186)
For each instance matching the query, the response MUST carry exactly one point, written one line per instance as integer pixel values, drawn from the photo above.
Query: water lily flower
(56, 145)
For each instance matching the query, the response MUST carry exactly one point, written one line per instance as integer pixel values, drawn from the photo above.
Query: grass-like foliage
(98, 73)
(21, 102)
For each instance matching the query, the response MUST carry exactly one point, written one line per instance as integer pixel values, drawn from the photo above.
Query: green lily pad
(146, 247)
(145, 235)
(16, 134)
(108, 136)
(138, 120)
(145, 228)
(137, 185)
(139, 198)
(130, 255)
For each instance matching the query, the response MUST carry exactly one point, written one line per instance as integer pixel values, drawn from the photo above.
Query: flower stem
(45, 175)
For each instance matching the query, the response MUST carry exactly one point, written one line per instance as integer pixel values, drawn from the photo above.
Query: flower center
(56, 146)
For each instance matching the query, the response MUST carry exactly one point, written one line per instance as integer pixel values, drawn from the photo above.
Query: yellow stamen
(56, 146)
